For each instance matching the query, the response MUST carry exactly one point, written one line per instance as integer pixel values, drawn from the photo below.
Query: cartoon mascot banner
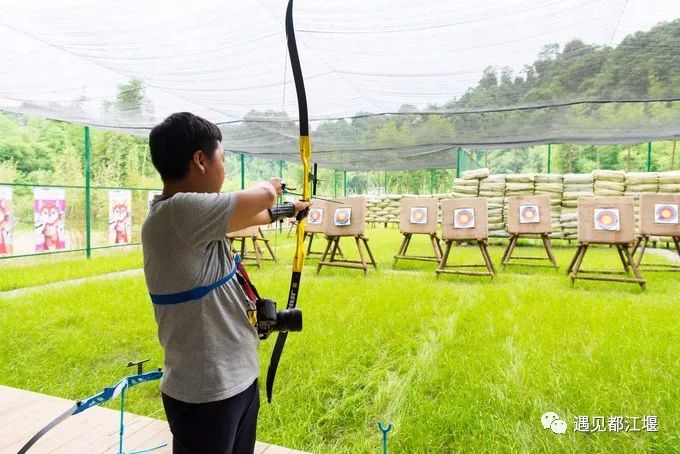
(120, 216)
(5, 220)
(49, 208)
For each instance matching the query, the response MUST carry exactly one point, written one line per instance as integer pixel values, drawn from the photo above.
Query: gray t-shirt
(210, 345)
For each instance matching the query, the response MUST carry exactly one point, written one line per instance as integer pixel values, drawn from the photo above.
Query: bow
(305, 155)
(80, 406)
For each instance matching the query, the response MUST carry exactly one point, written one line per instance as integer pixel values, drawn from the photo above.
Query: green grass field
(47, 269)
(458, 364)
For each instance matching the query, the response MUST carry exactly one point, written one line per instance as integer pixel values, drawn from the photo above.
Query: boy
(209, 389)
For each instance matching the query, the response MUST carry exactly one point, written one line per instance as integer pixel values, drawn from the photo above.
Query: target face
(607, 219)
(665, 213)
(343, 216)
(529, 214)
(418, 215)
(464, 218)
(315, 216)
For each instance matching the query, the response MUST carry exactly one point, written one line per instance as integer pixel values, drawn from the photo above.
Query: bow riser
(305, 156)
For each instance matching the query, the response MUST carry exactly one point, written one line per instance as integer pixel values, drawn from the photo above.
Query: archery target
(418, 215)
(464, 218)
(343, 216)
(315, 216)
(665, 213)
(607, 219)
(529, 214)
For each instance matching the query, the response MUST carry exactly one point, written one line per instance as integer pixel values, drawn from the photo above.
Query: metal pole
(385, 181)
(458, 152)
(88, 236)
(549, 156)
(243, 171)
(345, 181)
(649, 156)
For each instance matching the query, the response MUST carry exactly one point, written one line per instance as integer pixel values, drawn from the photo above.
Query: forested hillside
(40, 151)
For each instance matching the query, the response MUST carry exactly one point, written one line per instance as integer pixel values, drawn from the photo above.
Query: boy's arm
(252, 204)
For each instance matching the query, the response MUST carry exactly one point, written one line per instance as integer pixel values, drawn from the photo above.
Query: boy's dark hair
(174, 141)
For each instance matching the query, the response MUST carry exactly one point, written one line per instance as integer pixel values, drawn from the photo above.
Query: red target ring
(464, 218)
(315, 216)
(343, 216)
(666, 213)
(529, 214)
(607, 219)
(418, 215)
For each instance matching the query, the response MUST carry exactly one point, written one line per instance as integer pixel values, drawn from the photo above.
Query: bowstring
(283, 110)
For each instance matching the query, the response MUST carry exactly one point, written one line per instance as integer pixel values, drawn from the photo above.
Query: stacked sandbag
(465, 188)
(393, 207)
(553, 186)
(519, 184)
(609, 182)
(636, 184)
(383, 208)
(639, 182)
(575, 185)
(375, 208)
(476, 174)
(493, 188)
(669, 182)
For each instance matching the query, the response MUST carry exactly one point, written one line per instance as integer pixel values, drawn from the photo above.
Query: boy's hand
(277, 184)
(273, 186)
(301, 209)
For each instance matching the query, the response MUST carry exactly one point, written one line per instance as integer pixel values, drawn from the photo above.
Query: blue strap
(195, 293)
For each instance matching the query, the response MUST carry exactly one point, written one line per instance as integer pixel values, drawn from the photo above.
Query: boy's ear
(199, 160)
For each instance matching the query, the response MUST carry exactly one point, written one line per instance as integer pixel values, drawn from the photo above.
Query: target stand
(465, 220)
(317, 224)
(529, 216)
(346, 219)
(418, 217)
(610, 221)
(256, 236)
(659, 216)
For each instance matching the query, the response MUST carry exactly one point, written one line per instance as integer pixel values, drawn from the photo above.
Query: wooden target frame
(317, 224)
(418, 216)
(465, 220)
(357, 220)
(608, 221)
(256, 236)
(478, 231)
(337, 228)
(659, 216)
(529, 215)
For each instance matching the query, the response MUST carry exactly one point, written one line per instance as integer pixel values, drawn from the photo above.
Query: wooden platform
(23, 413)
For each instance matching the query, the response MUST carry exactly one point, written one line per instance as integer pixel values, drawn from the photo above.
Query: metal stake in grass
(384, 431)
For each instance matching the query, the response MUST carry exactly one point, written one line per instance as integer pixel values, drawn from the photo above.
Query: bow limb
(98, 399)
(305, 156)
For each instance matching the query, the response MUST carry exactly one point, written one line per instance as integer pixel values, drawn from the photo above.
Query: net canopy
(391, 84)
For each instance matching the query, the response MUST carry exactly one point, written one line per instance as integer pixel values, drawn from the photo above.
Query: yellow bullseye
(666, 213)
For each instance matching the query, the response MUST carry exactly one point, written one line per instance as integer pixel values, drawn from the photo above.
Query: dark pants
(224, 427)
